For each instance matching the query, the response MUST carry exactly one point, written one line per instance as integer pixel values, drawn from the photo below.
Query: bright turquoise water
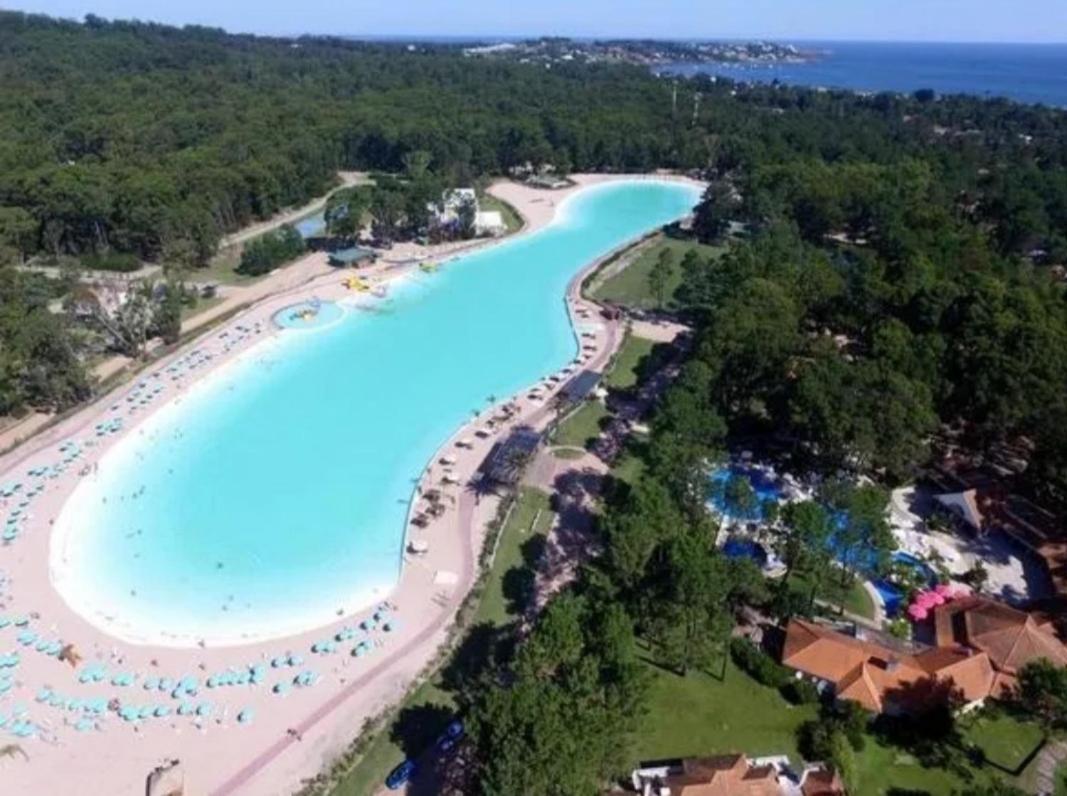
(275, 491)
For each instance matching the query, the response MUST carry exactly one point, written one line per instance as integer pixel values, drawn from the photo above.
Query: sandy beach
(248, 715)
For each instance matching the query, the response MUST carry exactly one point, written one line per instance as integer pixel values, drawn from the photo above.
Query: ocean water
(1032, 73)
(275, 490)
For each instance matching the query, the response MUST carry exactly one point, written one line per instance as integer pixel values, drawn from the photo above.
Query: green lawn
(511, 218)
(625, 371)
(1008, 742)
(568, 454)
(700, 715)
(532, 505)
(384, 752)
(881, 770)
(855, 599)
(581, 426)
(630, 287)
(221, 269)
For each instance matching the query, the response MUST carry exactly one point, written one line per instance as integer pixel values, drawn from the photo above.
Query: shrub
(757, 663)
(813, 739)
(271, 250)
(800, 692)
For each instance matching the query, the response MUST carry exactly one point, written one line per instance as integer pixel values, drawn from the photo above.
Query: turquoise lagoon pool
(274, 492)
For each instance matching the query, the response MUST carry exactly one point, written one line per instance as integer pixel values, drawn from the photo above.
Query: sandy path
(219, 754)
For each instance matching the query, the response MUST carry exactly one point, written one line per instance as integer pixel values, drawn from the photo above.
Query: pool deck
(291, 737)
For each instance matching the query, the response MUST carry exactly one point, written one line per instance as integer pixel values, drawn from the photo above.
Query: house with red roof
(979, 647)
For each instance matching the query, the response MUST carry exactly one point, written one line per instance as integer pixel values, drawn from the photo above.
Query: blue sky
(894, 20)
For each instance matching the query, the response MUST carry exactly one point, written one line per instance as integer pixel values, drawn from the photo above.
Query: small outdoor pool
(308, 315)
(738, 547)
(312, 225)
(763, 486)
(891, 594)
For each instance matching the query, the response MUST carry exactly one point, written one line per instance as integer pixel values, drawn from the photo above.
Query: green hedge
(758, 664)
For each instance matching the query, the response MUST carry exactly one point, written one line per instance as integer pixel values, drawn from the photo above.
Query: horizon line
(516, 37)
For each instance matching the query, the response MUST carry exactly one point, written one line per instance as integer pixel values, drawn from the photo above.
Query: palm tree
(12, 749)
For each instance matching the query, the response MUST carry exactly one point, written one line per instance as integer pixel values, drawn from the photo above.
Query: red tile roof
(726, 775)
(874, 675)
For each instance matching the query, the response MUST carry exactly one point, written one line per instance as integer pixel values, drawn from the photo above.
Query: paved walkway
(1048, 762)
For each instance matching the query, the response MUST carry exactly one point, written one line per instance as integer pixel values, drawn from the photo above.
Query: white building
(489, 223)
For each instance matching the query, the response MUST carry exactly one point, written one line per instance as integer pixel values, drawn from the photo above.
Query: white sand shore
(286, 737)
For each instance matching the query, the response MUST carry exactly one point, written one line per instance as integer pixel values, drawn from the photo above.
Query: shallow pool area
(739, 547)
(308, 315)
(764, 487)
(312, 225)
(893, 595)
(271, 495)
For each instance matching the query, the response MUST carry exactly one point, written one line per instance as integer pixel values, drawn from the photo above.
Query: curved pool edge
(65, 581)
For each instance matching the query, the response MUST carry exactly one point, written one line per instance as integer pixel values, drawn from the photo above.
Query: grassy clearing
(582, 426)
(222, 269)
(1008, 742)
(701, 715)
(630, 286)
(855, 599)
(627, 368)
(507, 212)
(530, 519)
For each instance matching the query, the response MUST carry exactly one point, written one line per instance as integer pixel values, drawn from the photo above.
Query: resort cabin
(352, 257)
(734, 774)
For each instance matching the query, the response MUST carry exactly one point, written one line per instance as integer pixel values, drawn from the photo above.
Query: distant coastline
(1029, 73)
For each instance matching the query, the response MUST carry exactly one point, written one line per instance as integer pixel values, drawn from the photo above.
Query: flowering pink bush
(928, 599)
